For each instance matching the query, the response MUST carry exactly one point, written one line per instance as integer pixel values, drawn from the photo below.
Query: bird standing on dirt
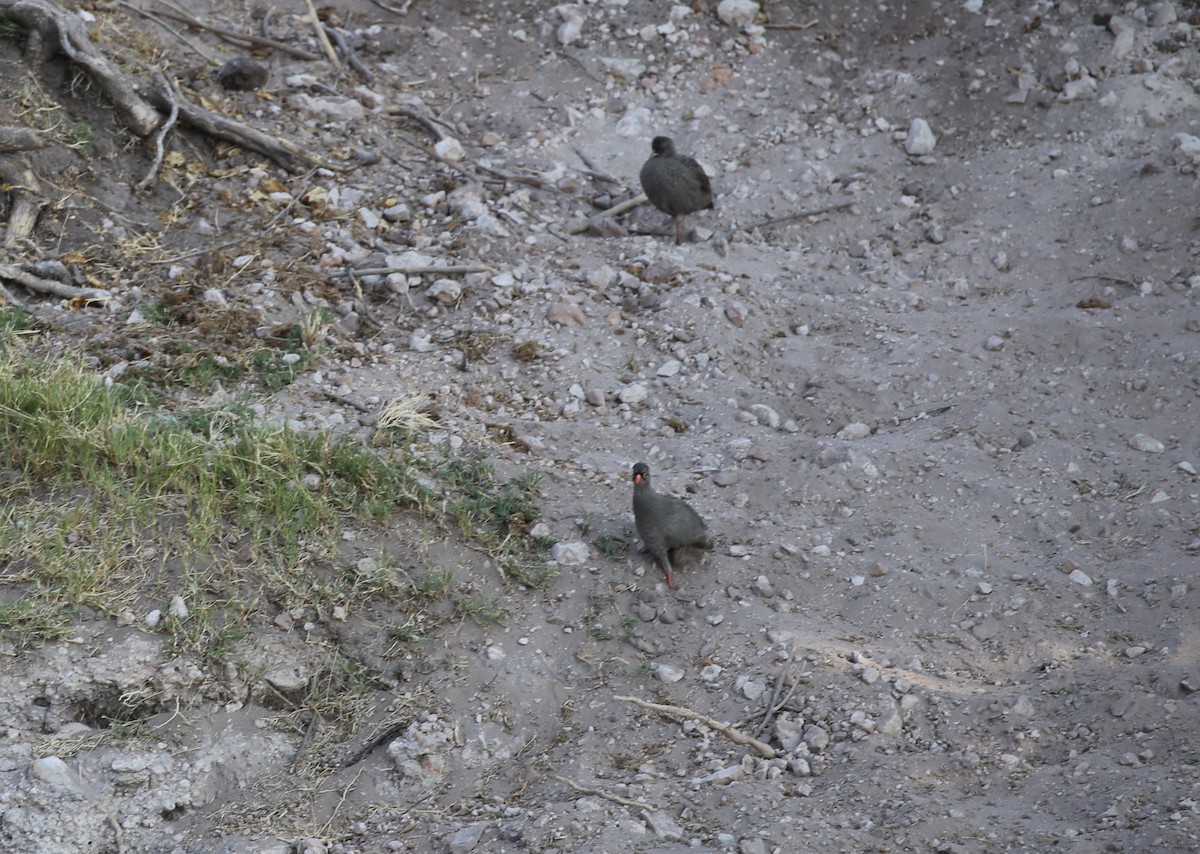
(665, 523)
(675, 184)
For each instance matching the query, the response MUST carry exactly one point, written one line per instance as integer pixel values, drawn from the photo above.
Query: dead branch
(449, 270)
(49, 286)
(580, 226)
(323, 39)
(20, 139)
(27, 199)
(169, 93)
(800, 215)
(287, 154)
(600, 793)
(764, 750)
(54, 25)
(246, 38)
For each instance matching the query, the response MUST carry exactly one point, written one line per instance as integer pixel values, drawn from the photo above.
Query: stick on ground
(734, 735)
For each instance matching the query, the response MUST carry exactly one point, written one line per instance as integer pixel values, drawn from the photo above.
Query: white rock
(667, 673)
(766, 416)
(420, 340)
(920, 139)
(54, 772)
(634, 393)
(737, 13)
(854, 430)
(178, 608)
(570, 553)
(1080, 577)
(445, 291)
(450, 149)
(669, 368)
(1142, 442)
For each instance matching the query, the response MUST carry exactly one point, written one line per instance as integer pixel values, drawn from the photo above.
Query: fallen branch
(27, 199)
(801, 215)
(737, 737)
(246, 38)
(450, 269)
(322, 38)
(287, 154)
(600, 793)
(615, 210)
(49, 286)
(13, 138)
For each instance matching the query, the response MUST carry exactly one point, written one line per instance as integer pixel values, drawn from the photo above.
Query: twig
(361, 754)
(393, 9)
(249, 38)
(807, 26)
(308, 734)
(1104, 278)
(616, 210)
(156, 19)
(118, 833)
(162, 131)
(323, 39)
(429, 123)
(450, 269)
(600, 793)
(800, 215)
(593, 169)
(345, 401)
(346, 51)
(769, 712)
(737, 737)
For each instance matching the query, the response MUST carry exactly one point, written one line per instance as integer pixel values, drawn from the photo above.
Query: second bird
(665, 523)
(675, 184)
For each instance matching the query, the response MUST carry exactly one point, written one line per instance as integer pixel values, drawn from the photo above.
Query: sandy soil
(945, 437)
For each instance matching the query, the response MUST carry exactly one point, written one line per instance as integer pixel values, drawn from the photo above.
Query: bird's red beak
(637, 478)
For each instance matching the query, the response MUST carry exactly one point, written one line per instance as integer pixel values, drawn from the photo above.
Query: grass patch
(107, 504)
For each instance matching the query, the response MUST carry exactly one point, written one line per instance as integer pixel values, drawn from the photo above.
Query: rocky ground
(944, 432)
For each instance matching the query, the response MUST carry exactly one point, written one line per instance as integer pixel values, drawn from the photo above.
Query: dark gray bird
(674, 183)
(665, 523)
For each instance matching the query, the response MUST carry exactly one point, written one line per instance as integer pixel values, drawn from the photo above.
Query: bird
(675, 184)
(665, 523)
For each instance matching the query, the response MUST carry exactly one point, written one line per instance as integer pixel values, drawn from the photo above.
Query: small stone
(1134, 651)
(735, 313)
(287, 680)
(602, 277)
(450, 149)
(444, 291)
(737, 13)
(633, 394)
(751, 689)
(466, 839)
(725, 477)
(854, 430)
(766, 416)
(565, 314)
(711, 672)
(594, 397)
(54, 772)
(154, 618)
(920, 139)
(667, 673)
(1148, 444)
(1080, 577)
(570, 553)
(662, 825)
(816, 738)
(420, 340)
(1026, 438)
(669, 368)
(994, 343)
(1023, 707)
(178, 608)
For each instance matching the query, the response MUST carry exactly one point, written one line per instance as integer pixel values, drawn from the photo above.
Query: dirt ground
(944, 432)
